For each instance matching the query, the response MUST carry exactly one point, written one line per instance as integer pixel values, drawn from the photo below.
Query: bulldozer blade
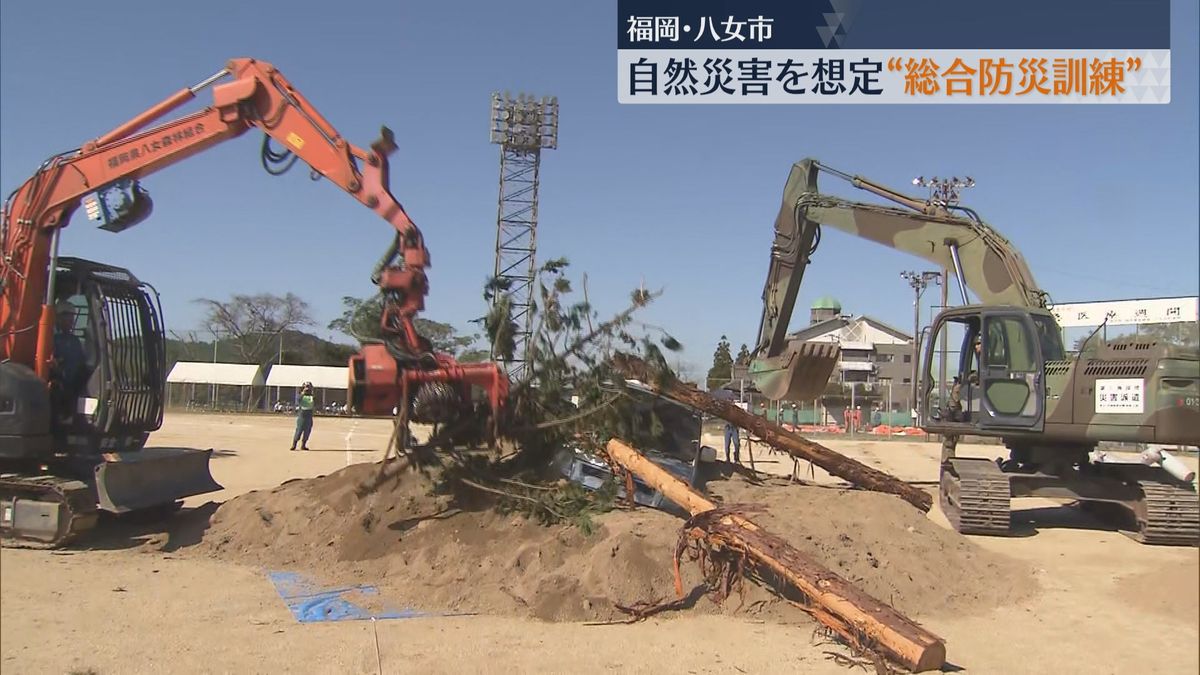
(142, 479)
(798, 374)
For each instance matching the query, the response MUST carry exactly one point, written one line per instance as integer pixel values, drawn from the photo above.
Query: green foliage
(571, 398)
(1186, 335)
(360, 320)
(299, 348)
(722, 366)
(443, 336)
(474, 356)
(743, 357)
(562, 502)
(501, 329)
(570, 350)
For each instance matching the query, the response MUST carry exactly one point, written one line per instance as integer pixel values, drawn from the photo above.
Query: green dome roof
(827, 302)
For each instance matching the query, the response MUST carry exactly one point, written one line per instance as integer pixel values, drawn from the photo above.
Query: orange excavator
(82, 344)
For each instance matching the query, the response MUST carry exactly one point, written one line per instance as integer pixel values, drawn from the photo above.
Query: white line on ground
(349, 436)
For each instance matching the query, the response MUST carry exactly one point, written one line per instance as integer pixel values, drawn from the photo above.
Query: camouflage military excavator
(1002, 371)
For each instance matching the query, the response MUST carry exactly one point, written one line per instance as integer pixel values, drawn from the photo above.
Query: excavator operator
(70, 360)
(956, 407)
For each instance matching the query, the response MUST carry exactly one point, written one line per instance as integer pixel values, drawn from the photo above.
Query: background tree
(474, 356)
(252, 324)
(685, 370)
(743, 357)
(360, 320)
(1179, 334)
(445, 338)
(722, 366)
(186, 347)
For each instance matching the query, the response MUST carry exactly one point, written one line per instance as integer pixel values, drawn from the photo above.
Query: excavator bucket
(798, 374)
(142, 479)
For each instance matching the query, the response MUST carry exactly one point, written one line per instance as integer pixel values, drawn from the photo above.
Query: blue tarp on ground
(309, 602)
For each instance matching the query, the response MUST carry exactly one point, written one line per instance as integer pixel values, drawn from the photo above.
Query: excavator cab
(91, 424)
(109, 377)
(983, 370)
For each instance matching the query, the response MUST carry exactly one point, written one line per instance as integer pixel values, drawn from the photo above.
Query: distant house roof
(896, 332)
(831, 325)
(827, 302)
(200, 372)
(322, 377)
(819, 328)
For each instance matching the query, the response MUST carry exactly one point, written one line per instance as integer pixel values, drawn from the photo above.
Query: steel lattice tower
(522, 127)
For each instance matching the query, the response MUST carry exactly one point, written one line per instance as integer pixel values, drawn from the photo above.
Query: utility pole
(919, 281)
(212, 394)
(942, 383)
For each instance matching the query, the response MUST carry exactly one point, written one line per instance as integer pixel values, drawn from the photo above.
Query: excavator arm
(105, 171)
(983, 260)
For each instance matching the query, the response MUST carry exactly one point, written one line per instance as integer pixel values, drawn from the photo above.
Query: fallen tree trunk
(839, 465)
(865, 622)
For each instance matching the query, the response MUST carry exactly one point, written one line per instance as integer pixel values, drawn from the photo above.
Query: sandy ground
(1107, 604)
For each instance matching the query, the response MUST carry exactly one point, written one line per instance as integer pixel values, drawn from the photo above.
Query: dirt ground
(141, 600)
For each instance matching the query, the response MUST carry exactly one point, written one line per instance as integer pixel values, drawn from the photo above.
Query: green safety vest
(306, 403)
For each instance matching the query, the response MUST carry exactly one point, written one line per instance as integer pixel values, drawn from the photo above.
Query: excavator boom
(257, 97)
(983, 260)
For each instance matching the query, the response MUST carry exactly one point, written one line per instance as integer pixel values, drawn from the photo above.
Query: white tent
(322, 377)
(213, 376)
(332, 383)
(197, 372)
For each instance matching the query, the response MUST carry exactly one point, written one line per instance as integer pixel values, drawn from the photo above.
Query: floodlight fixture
(524, 123)
(945, 191)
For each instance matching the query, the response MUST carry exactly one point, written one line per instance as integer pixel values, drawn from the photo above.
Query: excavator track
(1168, 515)
(975, 497)
(64, 509)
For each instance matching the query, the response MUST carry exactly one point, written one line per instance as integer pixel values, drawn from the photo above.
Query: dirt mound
(886, 547)
(425, 551)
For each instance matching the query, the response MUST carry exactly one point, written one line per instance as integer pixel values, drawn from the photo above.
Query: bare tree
(253, 323)
(686, 370)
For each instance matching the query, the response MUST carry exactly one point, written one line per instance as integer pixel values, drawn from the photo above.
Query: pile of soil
(886, 547)
(425, 551)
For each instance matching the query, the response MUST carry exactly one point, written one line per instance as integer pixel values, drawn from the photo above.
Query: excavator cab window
(950, 393)
(74, 355)
(1010, 379)
(1049, 338)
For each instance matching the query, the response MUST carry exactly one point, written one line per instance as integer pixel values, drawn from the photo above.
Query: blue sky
(1102, 200)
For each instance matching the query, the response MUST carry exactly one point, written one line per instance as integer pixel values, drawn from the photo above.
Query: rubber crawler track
(1169, 515)
(78, 497)
(975, 497)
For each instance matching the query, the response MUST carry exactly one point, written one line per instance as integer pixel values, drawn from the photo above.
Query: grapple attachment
(798, 374)
(130, 481)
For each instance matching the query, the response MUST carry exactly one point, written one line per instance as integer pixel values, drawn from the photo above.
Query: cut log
(853, 471)
(862, 620)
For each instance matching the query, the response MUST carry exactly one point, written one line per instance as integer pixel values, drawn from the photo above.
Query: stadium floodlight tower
(522, 127)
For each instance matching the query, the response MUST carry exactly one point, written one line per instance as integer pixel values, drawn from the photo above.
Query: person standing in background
(733, 436)
(304, 416)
